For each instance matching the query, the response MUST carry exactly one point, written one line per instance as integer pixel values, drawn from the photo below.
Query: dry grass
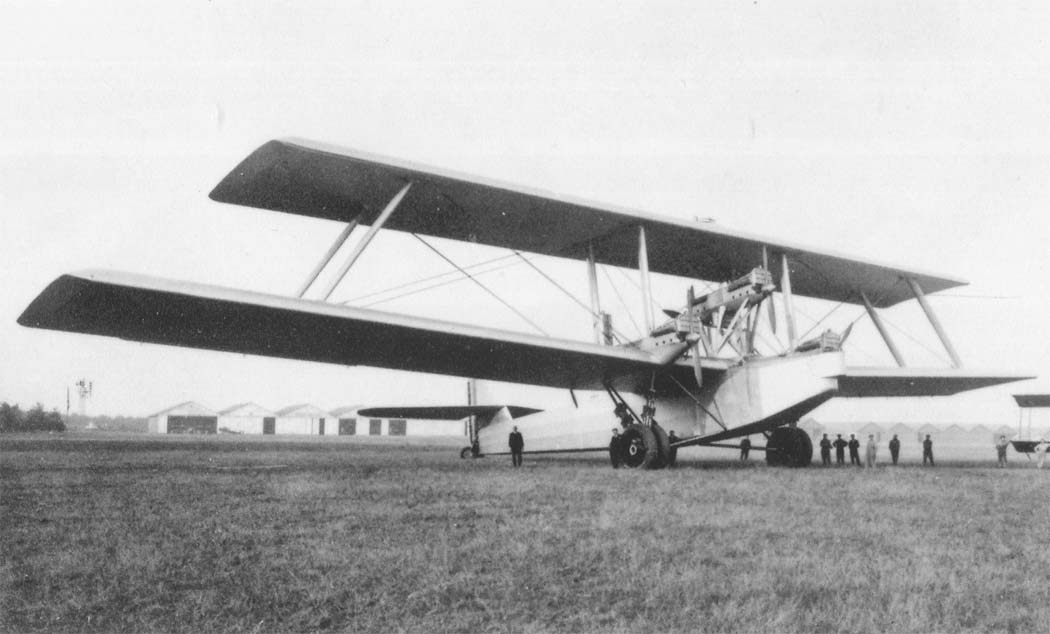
(252, 535)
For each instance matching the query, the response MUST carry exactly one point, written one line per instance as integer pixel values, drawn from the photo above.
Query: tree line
(14, 419)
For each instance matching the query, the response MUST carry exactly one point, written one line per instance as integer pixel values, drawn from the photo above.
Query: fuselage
(754, 396)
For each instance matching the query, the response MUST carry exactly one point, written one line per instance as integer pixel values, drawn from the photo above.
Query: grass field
(163, 534)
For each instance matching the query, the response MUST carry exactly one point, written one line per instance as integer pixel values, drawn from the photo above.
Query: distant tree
(13, 419)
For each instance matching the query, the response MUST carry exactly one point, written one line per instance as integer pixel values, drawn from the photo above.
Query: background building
(247, 418)
(185, 418)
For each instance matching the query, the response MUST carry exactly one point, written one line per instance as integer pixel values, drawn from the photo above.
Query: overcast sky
(912, 133)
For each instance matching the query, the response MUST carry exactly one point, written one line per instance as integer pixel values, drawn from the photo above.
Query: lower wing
(874, 382)
(154, 310)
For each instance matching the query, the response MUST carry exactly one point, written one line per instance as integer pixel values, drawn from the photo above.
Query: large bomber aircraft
(698, 372)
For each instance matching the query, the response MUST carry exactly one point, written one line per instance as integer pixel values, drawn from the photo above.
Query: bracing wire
(564, 290)
(429, 279)
(483, 287)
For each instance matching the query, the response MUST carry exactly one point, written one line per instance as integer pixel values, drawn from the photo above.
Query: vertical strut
(592, 280)
(643, 270)
(327, 257)
(360, 246)
(875, 319)
(926, 308)
(789, 310)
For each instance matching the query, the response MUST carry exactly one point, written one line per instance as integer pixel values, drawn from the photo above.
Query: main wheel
(642, 448)
(639, 447)
(465, 453)
(789, 447)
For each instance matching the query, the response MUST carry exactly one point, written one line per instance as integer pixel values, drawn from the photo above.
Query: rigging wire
(485, 288)
(904, 332)
(627, 310)
(440, 284)
(564, 290)
(430, 278)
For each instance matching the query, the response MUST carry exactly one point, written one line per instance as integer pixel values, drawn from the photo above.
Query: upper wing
(154, 310)
(918, 381)
(310, 179)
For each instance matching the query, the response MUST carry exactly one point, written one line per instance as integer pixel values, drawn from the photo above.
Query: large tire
(789, 447)
(465, 453)
(640, 448)
(663, 447)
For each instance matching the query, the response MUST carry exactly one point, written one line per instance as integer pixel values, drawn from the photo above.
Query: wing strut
(643, 270)
(875, 319)
(592, 282)
(359, 248)
(926, 308)
(789, 309)
(327, 257)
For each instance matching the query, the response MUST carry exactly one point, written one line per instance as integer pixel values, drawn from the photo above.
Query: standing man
(825, 451)
(616, 448)
(1000, 450)
(517, 443)
(745, 447)
(927, 451)
(870, 450)
(895, 448)
(840, 450)
(672, 452)
(854, 450)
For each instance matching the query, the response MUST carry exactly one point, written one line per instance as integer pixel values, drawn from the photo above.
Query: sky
(916, 133)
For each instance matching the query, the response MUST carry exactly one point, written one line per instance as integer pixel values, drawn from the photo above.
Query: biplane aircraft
(697, 372)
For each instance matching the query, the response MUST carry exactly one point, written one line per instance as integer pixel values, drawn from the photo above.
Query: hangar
(247, 418)
(300, 419)
(185, 418)
(351, 423)
(304, 418)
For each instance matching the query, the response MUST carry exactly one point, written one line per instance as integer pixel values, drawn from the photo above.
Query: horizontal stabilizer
(451, 412)
(874, 382)
(185, 314)
(313, 179)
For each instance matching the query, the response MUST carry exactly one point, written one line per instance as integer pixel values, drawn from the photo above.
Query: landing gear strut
(789, 447)
(644, 444)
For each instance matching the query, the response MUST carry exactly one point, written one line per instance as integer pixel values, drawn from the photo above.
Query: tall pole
(643, 270)
(592, 280)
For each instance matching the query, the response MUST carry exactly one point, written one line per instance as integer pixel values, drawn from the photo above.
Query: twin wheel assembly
(647, 447)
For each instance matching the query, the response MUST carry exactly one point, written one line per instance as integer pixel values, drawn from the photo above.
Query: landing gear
(645, 447)
(643, 443)
(473, 451)
(789, 447)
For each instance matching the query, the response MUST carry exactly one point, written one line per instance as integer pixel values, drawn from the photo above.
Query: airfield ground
(144, 534)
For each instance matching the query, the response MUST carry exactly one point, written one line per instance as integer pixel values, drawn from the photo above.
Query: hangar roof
(246, 409)
(302, 409)
(189, 408)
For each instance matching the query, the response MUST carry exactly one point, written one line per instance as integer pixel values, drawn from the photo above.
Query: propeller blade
(772, 313)
(697, 370)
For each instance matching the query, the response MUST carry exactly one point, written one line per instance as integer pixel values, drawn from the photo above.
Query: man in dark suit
(840, 450)
(895, 448)
(854, 450)
(927, 451)
(825, 451)
(517, 443)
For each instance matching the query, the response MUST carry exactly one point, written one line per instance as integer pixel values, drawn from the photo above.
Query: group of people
(840, 445)
(871, 449)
